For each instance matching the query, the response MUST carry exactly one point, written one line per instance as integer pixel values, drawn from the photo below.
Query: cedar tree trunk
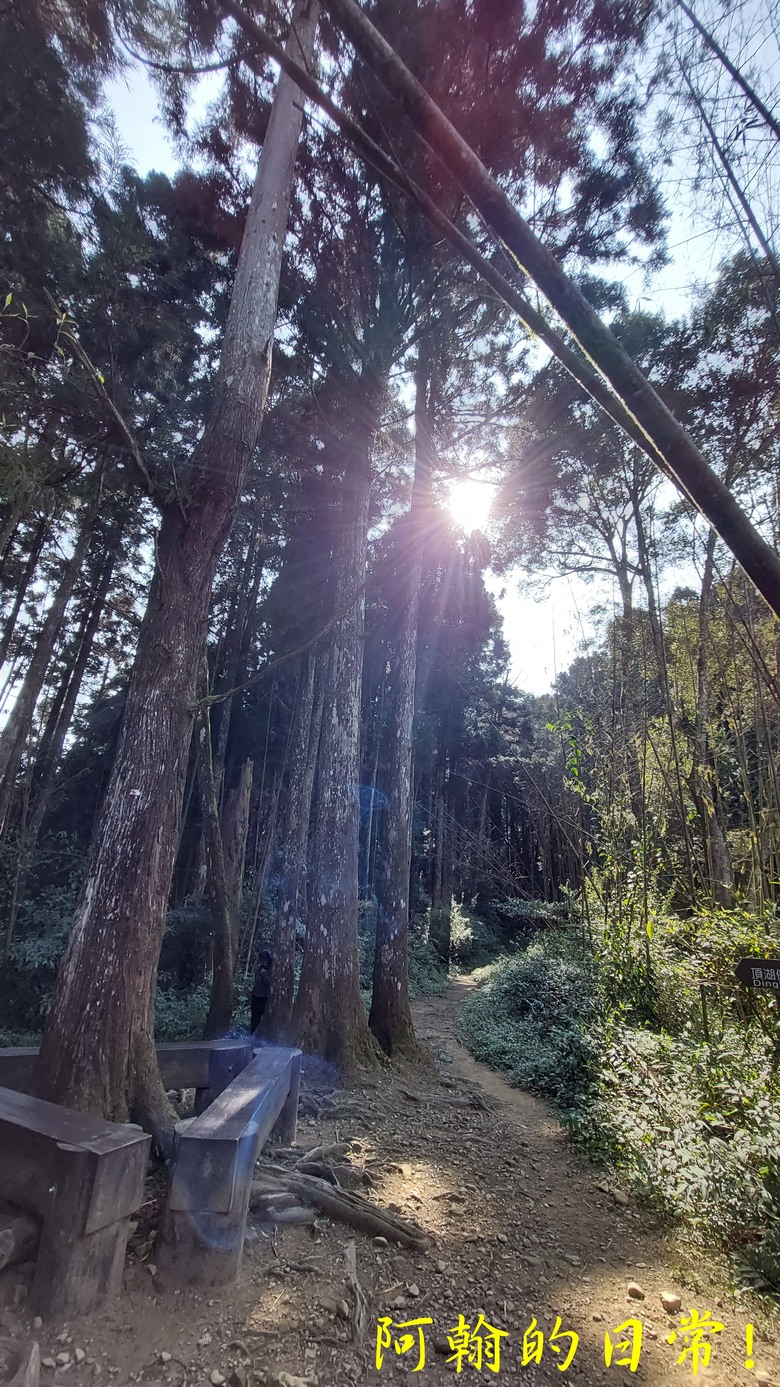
(98, 1047)
(328, 1015)
(391, 1018)
(305, 729)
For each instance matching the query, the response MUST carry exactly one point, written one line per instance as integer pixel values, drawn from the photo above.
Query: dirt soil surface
(520, 1230)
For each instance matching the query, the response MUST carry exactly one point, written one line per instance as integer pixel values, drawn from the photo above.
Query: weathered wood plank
(31, 1133)
(225, 1061)
(202, 1237)
(183, 1063)
(211, 1155)
(82, 1177)
(238, 1103)
(76, 1272)
(17, 1066)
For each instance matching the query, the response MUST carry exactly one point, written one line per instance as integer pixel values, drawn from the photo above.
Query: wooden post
(226, 1060)
(76, 1270)
(287, 1124)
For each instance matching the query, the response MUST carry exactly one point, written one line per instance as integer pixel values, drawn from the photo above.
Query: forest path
(520, 1228)
(572, 1249)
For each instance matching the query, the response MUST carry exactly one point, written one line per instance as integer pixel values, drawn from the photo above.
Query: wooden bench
(208, 1066)
(83, 1178)
(202, 1236)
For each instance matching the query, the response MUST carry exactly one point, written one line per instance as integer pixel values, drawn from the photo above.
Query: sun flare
(470, 502)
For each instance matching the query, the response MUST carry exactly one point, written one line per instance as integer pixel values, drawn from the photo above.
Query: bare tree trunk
(391, 1018)
(235, 827)
(53, 739)
(17, 728)
(328, 1015)
(703, 781)
(304, 732)
(98, 1046)
(223, 923)
(9, 625)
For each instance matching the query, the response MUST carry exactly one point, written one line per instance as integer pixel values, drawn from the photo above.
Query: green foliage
(181, 1015)
(474, 941)
(692, 1124)
(427, 974)
(532, 1020)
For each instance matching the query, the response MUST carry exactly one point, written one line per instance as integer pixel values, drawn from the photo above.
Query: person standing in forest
(261, 987)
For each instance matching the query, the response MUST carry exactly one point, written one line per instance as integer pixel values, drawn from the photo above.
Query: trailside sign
(759, 972)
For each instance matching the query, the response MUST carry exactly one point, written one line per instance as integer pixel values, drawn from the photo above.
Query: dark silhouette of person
(261, 987)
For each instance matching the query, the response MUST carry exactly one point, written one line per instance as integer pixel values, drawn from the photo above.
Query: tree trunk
(53, 739)
(235, 827)
(98, 1047)
(391, 1018)
(328, 1015)
(9, 625)
(17, 728)
(703, 779)
(223, 923)
(303, 737)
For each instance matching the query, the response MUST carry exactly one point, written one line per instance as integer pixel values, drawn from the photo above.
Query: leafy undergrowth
(691, 1123)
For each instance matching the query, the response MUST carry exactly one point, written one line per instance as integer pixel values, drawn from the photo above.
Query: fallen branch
(350, 1208)
(324, 1153)
(360, 1317)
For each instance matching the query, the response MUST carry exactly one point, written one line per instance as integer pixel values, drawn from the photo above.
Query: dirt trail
(572, 1250)
(519, 1227)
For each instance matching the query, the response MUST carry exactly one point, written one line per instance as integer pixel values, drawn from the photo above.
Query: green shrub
(427, 974)
(474, 941)
(531, 1019)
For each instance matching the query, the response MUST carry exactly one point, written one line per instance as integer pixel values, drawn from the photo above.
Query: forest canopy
(256, 691)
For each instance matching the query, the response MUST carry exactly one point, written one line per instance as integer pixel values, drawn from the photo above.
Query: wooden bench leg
(287, 1122)
(76, 1272)
(200, 1248)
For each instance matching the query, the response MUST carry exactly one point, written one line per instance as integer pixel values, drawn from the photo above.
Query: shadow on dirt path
(576, 1247)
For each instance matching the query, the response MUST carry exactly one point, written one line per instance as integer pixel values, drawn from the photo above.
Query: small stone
(620, 1198)
(598, 1318)
(671, 1302)
(635, 1291)
(48, 1363)
(165, 1356)
(604, 1187)
(204, 1339)
(151, 1268)
(63, 1337)
(37, 1322)
(763, 1379)
(63, 1359)
(502, 1238)
(441, 1266)
(442, 1346)
(217, 1378)
(379, 1241)
(414, 1290)
(79, 1355)
(342, 1309)
(571, 1257)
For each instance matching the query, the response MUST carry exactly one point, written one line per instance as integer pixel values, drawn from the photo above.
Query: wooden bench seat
(83, 1178)
(202, 1237)
(208, 1066)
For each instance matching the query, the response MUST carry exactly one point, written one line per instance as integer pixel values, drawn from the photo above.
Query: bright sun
(470, 502)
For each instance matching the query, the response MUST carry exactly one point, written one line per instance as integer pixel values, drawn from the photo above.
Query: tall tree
(98, 1051)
